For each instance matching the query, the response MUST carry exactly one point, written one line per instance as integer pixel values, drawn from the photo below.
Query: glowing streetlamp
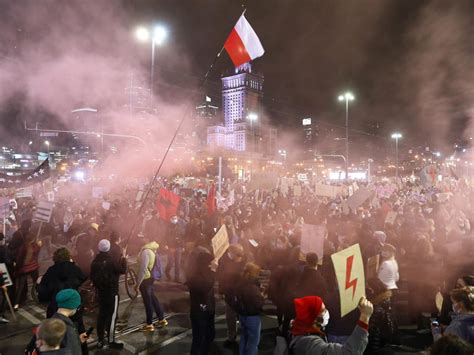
(396, 136)
(347, 97)
(158, 37)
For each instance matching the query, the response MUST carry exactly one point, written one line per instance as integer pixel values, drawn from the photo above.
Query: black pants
(107, 317)
(202, 324)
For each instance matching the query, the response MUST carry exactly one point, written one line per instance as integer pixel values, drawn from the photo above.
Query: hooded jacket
(147, 261)
(462, 325)
(104, 263)
(60, 276)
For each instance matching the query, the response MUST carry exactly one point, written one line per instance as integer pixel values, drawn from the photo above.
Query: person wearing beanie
(105, 274)
(201, 295)
(68, 301)
(312, 316)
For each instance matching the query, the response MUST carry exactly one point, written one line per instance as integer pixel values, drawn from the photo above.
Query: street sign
(43, 212)
(350, 277)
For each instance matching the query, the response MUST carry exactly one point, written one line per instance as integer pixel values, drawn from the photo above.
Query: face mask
(325, 318)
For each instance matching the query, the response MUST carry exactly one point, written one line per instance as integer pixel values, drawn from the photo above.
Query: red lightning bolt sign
(349, 282)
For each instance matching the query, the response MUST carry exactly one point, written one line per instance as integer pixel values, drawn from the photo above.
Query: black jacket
(228, 272)
(201, 291)
(312, 283)
(382, 327)
(105, 273)
(59, 277)
(249, 300)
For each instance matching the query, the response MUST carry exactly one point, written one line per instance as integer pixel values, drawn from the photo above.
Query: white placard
(43, 212)
(220, 243)
(312, 239)
(4, 270)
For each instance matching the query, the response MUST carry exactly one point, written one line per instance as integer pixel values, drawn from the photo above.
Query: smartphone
(89, 331)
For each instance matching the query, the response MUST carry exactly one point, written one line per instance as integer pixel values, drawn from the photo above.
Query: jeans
(174, 260)
(150, 301)
(204, 331)
(22, 286)
(249, 334)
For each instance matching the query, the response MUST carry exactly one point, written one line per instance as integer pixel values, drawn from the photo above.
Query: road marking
(129, 348)
(37, 309)
(29, 316)
(180, 336)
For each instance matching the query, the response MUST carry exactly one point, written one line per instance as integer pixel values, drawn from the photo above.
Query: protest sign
(43, 212)
(25, 192)
(391, 217)
(263, 181)
(106, 205)
(312, 240)
(297, 190)
(6, 275)
(349, 270)
(50, 196)
(359, 197)
(220, 243)
(327, 190)
(97, 192)
(4, 207)
(284, 186)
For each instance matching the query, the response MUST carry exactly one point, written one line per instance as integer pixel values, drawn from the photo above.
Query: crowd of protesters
(427, 246)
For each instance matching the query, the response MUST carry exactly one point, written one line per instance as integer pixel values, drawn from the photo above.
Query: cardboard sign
(373, 266)
(220, 243)
(391, 217)
(43, 212)
(106, 205)
(359, 197)
(25, 192)
(97, 192)
(350, 277)
(4, 271)
(327, 190)
(297, 190)
(312, 240)
(4, 207)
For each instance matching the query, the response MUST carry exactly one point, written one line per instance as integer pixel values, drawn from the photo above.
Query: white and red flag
(243, 45)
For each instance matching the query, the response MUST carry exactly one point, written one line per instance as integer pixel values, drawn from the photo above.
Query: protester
(49, 336)
(105, 274)
(175, 242)
(231, 265)
(451, 344)
(311, 282)
(312, 315)
(388, 271)
(462, 323)
(145, 282)
(201, 294)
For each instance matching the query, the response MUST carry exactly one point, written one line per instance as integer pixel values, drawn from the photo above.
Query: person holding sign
(312, 316)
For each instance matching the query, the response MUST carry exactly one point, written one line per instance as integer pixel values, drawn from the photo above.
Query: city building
(205, 115)
(137, 94)
(310, 135)
(242, 95)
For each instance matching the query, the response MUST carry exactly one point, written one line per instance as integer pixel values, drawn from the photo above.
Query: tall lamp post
(158, 36)
(396, 136)
(347, 97)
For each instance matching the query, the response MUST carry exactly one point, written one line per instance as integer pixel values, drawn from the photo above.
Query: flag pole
(183, 118)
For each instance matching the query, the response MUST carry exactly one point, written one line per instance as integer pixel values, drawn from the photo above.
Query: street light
(396, 136)
(158, 36)
(347, 97)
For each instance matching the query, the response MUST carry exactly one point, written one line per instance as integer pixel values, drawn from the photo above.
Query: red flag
(243, 45)
(211, 200)
(167, 204)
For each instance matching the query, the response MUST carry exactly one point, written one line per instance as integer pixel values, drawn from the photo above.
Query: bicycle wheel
(130, 282)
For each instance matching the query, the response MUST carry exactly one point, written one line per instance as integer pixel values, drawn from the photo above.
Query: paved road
(174, 339)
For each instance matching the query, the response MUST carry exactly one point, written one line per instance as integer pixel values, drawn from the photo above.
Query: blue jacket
(462, 325)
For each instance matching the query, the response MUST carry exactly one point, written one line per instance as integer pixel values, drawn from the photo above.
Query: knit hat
(68, 298)
(307, 310)
(104, 246)
(380, 236)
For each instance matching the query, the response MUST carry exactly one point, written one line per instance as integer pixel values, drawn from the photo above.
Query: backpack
(156, 272)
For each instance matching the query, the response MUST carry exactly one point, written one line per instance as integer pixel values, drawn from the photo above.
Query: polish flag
(243, 45)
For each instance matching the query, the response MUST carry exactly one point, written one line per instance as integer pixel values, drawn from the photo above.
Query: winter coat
(228, 272)
(201, 291)
(315, 344)
(105, 273)
(58, 277)
(248, 300)
(462, 325)
(312, 283)
(146, 261)
(71, 341)
(382, 327)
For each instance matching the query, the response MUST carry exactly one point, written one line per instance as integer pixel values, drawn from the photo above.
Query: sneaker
(115, 345)
(100, 344)
(162, 323)
(4, 320)
(15, 307)
(148, 328)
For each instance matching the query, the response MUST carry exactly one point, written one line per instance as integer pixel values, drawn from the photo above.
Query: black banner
(40, 174)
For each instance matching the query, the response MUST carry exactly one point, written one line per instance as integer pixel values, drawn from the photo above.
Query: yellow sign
(220, 242)
(350, 277)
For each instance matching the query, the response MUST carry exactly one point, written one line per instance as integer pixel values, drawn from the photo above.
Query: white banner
(43, 212)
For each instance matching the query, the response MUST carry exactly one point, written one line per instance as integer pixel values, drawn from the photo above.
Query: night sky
(408, 62)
